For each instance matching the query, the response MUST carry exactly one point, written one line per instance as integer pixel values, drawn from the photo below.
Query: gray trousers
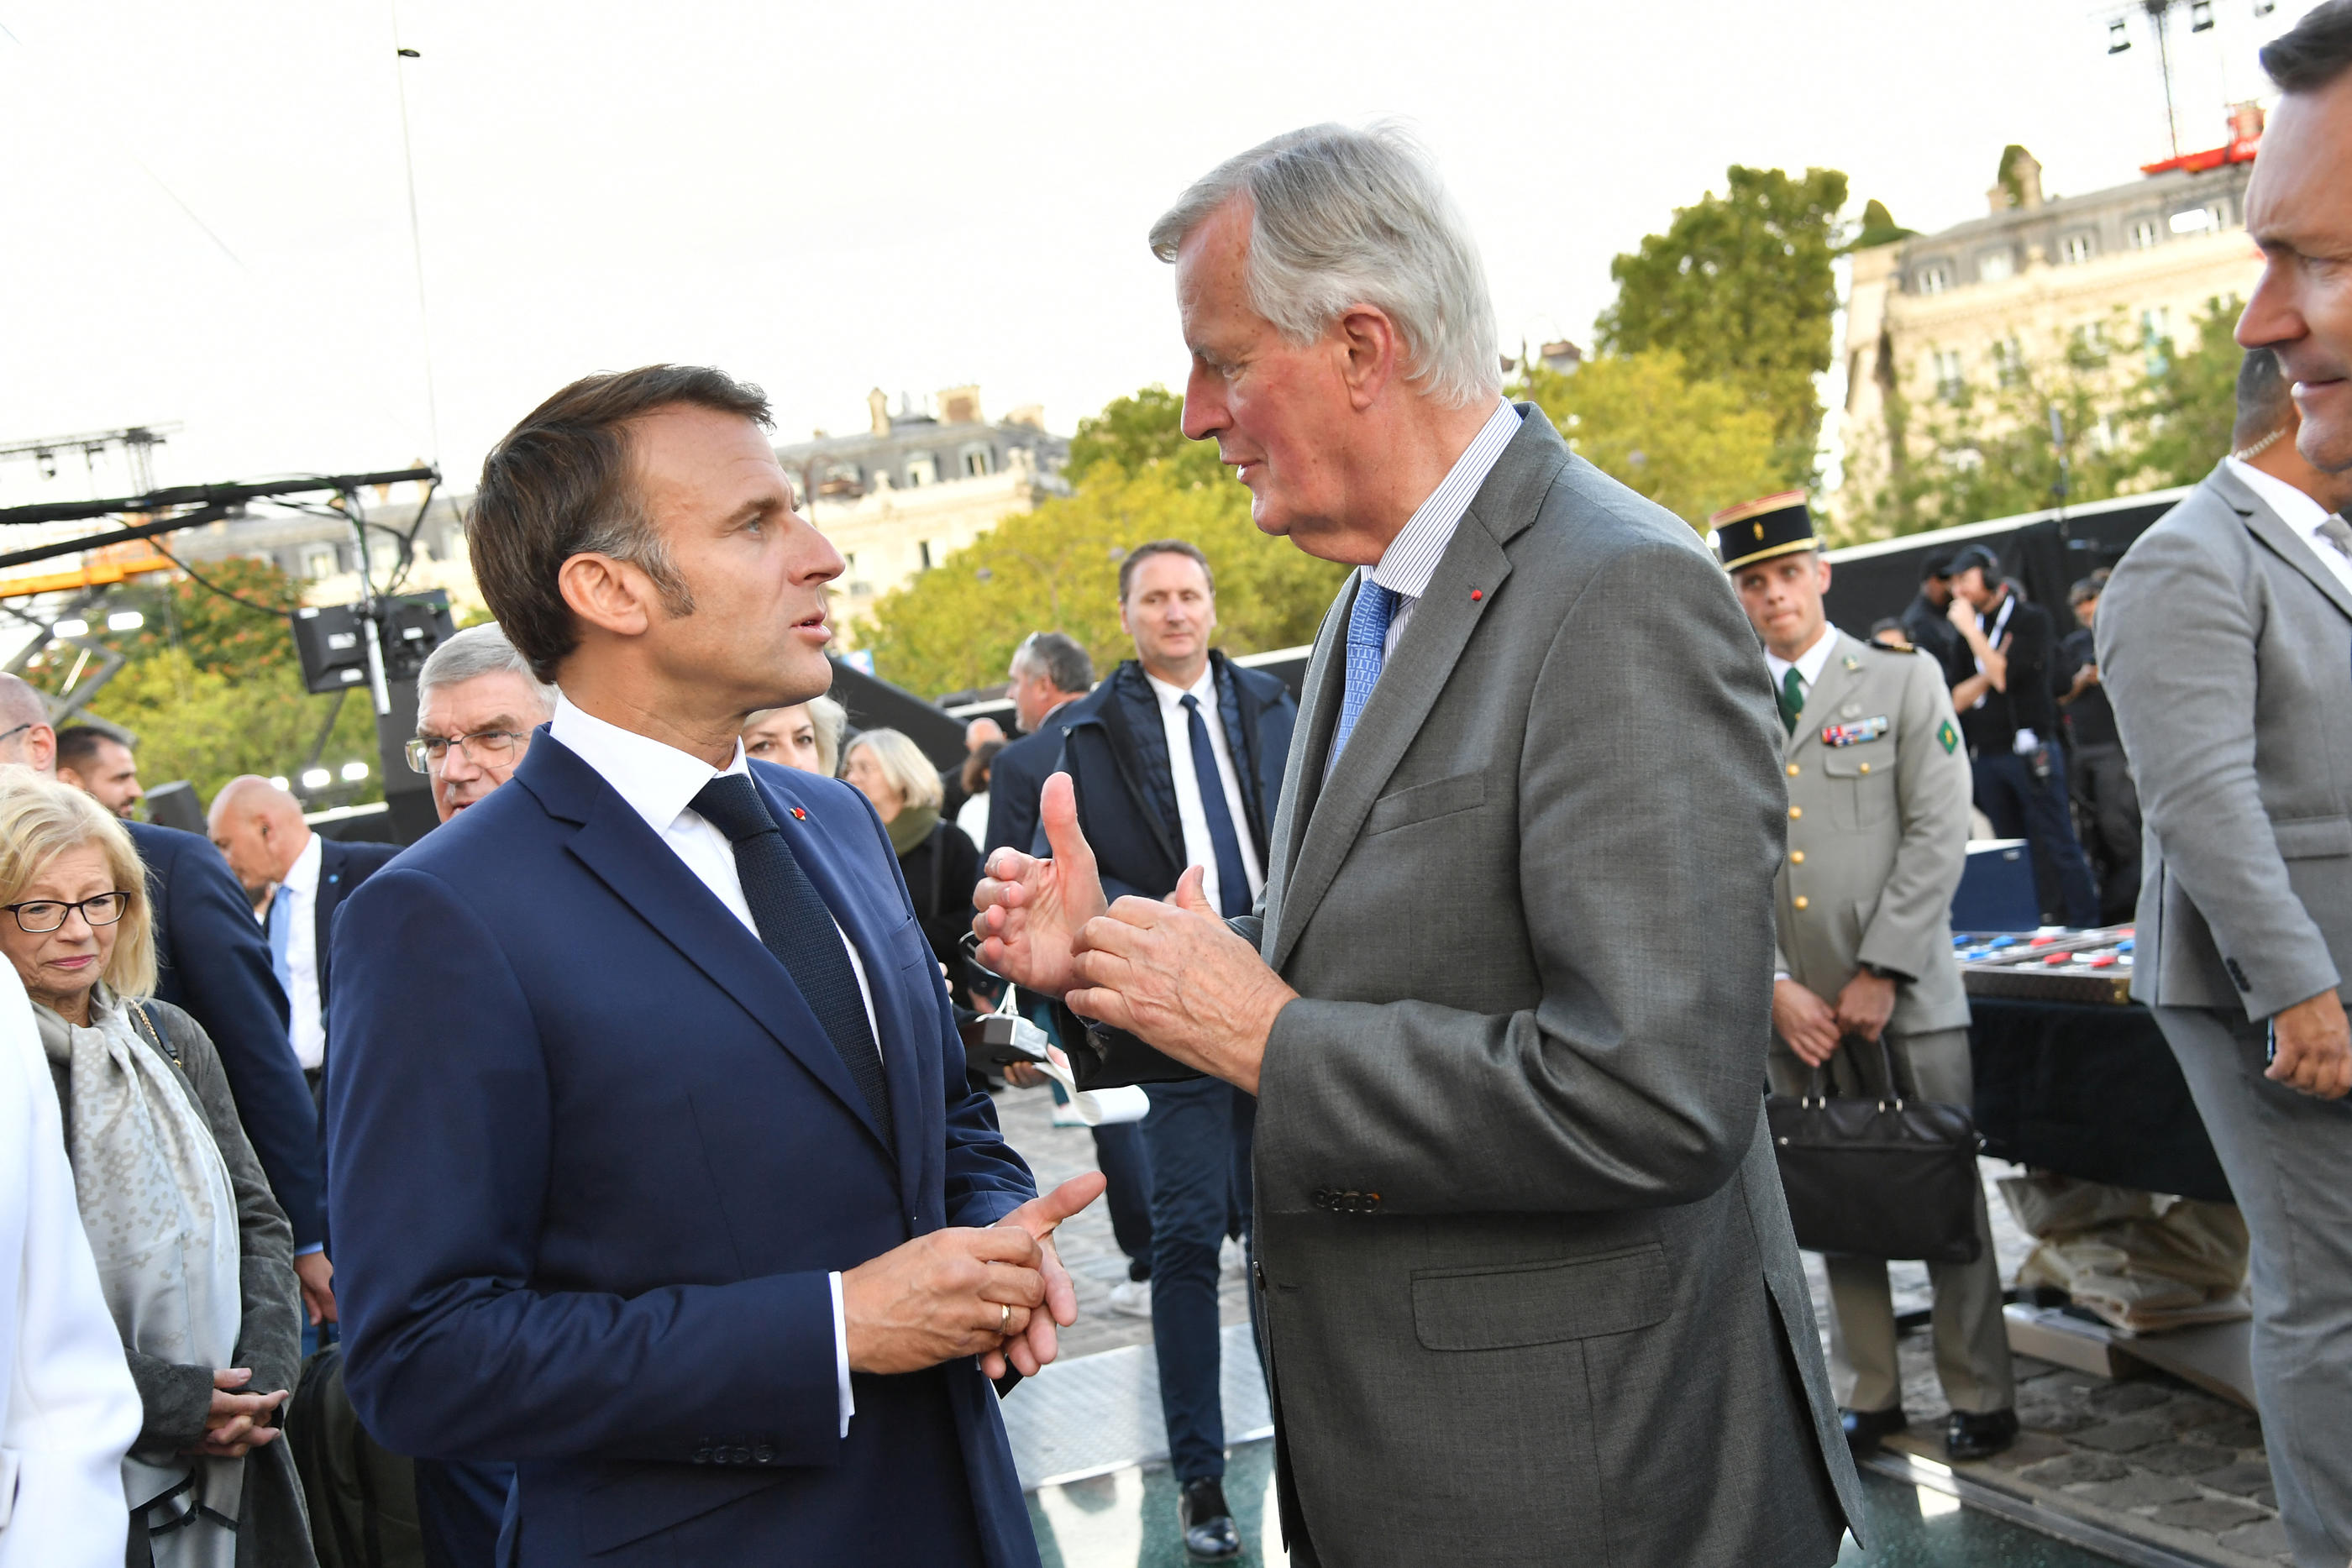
(2289, 1160)
(1971, 1337)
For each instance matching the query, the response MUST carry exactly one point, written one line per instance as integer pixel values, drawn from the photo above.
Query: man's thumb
(1057, 809)
(1188, 891)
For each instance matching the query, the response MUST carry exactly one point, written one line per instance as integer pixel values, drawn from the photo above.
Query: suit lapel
(1410, 682)
(1302, 771)
(628, 857)
(2267, 526)
(894, 1011)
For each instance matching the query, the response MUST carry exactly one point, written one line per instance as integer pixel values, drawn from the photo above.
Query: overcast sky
(204, 215)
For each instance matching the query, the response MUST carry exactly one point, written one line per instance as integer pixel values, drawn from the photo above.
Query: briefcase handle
(1892, 1096)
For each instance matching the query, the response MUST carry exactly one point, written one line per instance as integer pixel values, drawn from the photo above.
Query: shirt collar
(1171, 694)
(1809, 664)
(2295, 509)
(302, 876)
(1410, 559)
(657, 781)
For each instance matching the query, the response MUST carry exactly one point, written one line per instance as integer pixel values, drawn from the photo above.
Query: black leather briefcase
(1883, 1176)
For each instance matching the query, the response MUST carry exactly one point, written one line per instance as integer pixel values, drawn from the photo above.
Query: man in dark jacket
(1049, 672)
(1177, 761)
(2001, 687)
(211, 962)
(2107, 802)
(1927, 621)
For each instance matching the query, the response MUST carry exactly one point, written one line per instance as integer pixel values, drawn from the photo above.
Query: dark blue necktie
(796, 927)
(1368, 641)
(1233, 881)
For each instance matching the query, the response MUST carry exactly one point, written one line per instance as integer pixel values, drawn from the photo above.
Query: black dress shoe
(1864, 1429)
(1980, 1435)
(1207, 1522)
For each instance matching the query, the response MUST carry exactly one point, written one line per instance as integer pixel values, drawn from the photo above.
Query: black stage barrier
(2089, 1091)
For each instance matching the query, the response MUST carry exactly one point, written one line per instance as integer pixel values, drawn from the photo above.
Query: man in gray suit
(1528, 1284)
(2225, 644)
(1878, 829)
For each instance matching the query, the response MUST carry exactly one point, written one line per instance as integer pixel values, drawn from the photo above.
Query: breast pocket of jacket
(1542, 1302)
(1860, 784)
(1426, 802)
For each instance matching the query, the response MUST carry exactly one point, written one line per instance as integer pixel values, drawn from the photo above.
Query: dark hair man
(2001, 685)
(1049, 672)
(656, 1166)
(2221, 643)
(101, 767)
(1879, 821)
(1176, 760)
(1927, 621)
(2107, 802)
(1513, 1201)
(211, 962)
(478, 704)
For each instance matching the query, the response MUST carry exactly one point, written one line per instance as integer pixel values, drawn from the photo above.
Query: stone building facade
(2113, 278)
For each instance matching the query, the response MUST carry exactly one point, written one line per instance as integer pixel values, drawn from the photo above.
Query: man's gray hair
(1059, 659)
(480, 651)
(1343, 217)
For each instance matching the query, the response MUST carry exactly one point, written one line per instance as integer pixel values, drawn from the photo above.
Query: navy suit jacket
(213, 962)
(342, 866)
(591, 1159)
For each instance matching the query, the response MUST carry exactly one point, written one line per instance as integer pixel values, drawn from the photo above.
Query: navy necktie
(1368, 641)
(1233, 881)
(796, 927)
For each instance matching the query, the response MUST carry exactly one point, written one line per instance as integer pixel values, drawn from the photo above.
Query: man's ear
(608, 593)
(1372, 353)
(41, 748)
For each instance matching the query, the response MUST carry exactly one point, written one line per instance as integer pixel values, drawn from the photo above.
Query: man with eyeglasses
(477, 704)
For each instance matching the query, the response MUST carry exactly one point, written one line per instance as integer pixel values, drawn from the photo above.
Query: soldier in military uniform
(1878, 822)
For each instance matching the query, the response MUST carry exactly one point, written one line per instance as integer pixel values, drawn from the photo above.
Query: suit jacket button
(1796, 857)
(1792, 770)
(1798, 901)
(763, 1454)
(742, 1455)
(1320, 1197)
(1371, 1201)
(701, 1456)
(1795, 812)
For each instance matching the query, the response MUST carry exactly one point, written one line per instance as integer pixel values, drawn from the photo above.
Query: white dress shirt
(1410, 559)
(1199, 847)
(658, 781)
(2301, 514)
(301, 915)
(1808, 665)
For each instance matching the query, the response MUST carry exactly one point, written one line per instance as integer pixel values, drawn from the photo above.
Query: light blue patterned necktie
(282, 933)
(1368, 636)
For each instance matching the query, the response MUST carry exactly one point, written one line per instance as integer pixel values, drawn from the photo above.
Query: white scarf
(161, 1218)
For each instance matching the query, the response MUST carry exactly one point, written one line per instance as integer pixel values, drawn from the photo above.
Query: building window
(320, 563)
(1996, 265)
(2198, 220)
(975, 462)
(2086, 349)
(2156, 338)
(1946, 368)
(924, 549)
(2144, 233)
(922, 469)
(2076, 249)
(1934, 278)
(849, 562)
(2009, 361)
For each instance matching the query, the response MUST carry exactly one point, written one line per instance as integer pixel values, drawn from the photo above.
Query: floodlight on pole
(75, 627)
(355, 771)
(125, 621)
(316, 778)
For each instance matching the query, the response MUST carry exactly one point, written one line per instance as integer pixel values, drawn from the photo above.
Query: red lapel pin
(799, 815)
(1476, 594)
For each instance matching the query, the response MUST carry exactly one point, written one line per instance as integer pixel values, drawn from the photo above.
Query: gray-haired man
(476, 704)
(2223, 644)
(1529, 1288)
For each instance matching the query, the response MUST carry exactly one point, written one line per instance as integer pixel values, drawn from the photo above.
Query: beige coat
(1878, 832)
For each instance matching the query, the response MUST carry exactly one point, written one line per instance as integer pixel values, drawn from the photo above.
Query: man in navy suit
(1049, 672)
(211, 961)
(654, 1164)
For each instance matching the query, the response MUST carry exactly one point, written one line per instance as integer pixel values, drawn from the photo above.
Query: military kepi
(1759, 530)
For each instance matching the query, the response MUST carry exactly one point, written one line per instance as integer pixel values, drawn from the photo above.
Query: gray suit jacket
(2226, 648)
(1878, 831)
(1530, 1294)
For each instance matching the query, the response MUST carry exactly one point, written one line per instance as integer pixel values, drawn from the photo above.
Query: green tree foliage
(1740, 286)
(1694, 446)
(1878, 227)
(1057, 567)
(2188, 401)
(218, 633)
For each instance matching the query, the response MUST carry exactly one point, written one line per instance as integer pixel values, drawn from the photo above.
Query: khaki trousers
(1970, 1338)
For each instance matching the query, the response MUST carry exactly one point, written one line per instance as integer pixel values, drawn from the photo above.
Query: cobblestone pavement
(1088, 1248)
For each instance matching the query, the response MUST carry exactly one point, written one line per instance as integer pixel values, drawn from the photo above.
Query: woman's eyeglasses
(46, 914)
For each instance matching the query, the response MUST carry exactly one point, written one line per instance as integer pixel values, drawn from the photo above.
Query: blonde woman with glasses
(195, 1258)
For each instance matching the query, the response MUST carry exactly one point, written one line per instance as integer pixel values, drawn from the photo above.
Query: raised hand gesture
(1032, 910)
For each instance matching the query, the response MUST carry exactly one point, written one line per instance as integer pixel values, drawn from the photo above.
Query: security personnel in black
(1878, 824)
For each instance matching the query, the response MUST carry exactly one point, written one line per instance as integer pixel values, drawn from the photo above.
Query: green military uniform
(1879, 784)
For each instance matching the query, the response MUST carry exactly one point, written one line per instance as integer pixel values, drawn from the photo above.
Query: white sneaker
(1132, 1298)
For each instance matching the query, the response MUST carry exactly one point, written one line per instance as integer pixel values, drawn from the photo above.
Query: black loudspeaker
(407, 795)
(174, 805)
(327, 639)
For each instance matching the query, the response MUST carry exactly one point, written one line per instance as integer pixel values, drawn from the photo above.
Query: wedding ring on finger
(1004, 1319)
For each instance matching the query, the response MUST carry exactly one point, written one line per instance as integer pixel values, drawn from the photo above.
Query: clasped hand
(996, 1294)
(1174, 974)
(233, 1425)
